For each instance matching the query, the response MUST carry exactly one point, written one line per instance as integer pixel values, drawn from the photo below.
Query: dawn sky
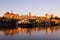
(36, 7)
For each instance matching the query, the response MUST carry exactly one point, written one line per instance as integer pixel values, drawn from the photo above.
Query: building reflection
(51, 29)
(11, 32)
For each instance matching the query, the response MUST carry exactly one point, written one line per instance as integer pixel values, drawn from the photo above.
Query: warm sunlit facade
(47, 16)
(11, 15)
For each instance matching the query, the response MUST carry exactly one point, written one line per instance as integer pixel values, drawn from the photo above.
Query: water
(38, 33)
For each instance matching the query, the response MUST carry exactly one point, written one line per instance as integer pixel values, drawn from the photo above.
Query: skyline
(36, 7)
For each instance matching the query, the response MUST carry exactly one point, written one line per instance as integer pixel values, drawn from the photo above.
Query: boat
(24, 23)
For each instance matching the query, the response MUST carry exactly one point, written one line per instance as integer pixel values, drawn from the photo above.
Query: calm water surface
(38, 33)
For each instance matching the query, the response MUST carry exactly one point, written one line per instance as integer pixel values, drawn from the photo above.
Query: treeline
(55, 18)
(7, 20)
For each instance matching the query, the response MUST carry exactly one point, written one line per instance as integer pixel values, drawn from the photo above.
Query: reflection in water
(36, 33)
(11, 32)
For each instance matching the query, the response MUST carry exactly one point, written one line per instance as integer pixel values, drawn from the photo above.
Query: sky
(36, 7)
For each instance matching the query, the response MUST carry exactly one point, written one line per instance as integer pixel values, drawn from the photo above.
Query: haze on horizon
(36, 7)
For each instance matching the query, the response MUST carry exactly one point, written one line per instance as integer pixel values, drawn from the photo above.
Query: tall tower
(47, 16)
(11, 11)
(29, 13)
(51, 16)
